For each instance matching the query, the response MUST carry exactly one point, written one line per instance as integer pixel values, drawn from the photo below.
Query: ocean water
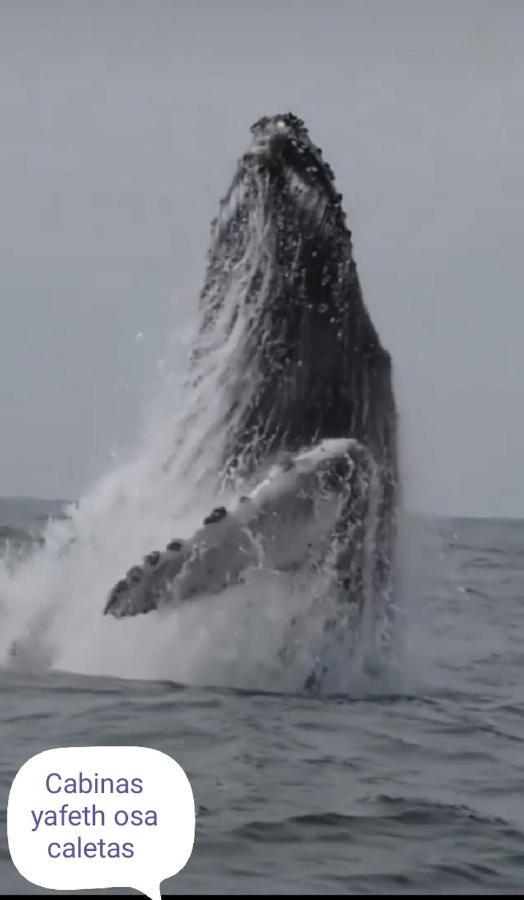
(409, 780)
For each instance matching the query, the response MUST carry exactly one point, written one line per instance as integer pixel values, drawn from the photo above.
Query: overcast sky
(120, 126)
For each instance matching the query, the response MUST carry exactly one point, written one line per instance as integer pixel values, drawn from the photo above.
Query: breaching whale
(306, 462)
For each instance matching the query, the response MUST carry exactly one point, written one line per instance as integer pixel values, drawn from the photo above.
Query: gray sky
(120, 126)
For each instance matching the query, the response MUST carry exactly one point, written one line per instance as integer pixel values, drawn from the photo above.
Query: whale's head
(282, 316)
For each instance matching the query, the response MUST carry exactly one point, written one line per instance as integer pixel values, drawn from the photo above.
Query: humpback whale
(304, 410)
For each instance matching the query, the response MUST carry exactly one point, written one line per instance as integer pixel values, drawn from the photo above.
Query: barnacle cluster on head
(283, 176)
(298, 134)
(291, 121)
(295, 150)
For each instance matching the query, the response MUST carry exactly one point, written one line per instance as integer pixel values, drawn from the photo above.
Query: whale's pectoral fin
(283, 520)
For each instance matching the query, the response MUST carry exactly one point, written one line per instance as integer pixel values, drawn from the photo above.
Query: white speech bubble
(100, 817)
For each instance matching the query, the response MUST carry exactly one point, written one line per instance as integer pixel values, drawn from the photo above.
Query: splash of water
(266, 633)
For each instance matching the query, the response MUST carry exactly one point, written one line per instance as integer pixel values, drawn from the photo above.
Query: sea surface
(406, 784)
